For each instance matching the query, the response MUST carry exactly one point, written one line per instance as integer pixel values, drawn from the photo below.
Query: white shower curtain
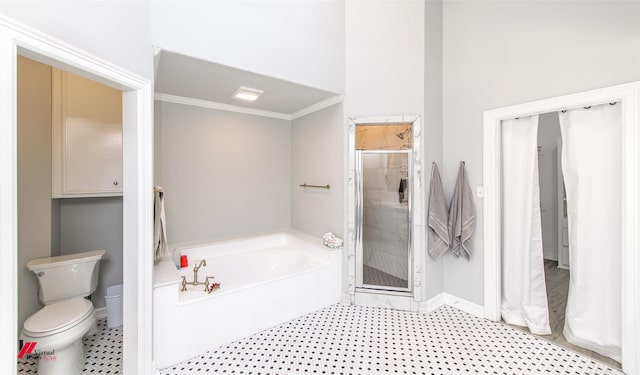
(592, 175)
(524, 295)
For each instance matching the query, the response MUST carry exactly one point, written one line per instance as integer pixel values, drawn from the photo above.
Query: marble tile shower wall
(385, 224)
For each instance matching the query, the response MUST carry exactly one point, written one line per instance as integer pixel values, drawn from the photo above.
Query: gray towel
(462, 216)
(159, 226)
(438, 216)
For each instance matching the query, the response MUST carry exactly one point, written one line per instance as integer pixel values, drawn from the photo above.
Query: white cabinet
(563, 249)
(563, 221)
(87, 137)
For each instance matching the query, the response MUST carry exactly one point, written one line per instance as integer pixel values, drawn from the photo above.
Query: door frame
(629, 97)
(417, 229)
(19, 39)
(360, 215)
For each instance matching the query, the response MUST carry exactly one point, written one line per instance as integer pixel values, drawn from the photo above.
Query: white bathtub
(265, 281)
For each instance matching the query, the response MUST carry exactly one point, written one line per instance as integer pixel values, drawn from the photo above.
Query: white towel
(159, 226)
(462, 215)
(330, 240)
(438, 217)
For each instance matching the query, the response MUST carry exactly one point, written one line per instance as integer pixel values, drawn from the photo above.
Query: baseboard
(346, 299)
(432, 304)
(551, 255)
(464, 305)
(101, 312)
(453, 301)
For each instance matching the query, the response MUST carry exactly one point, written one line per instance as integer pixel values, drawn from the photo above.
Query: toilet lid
(58, 316)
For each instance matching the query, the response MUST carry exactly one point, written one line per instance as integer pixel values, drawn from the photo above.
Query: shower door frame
(398, 300)
(359, 189)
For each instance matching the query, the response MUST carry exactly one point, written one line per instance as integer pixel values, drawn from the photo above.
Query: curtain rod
(588, 107)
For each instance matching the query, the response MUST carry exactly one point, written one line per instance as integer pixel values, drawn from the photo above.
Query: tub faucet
(196, 268)
(195, 282)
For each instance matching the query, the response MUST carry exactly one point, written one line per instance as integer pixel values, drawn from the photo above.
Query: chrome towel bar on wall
(305, 185)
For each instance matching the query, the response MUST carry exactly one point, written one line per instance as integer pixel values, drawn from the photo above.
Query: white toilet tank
(66, 276)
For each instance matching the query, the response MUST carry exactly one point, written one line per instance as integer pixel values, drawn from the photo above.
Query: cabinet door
(563, 256)
(563, 230)
(87, 136)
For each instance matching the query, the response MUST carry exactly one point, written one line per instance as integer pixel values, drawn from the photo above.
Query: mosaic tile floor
(103, 352)
(344, 339)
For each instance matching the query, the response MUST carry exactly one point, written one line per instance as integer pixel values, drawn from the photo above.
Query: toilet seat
(58, 317)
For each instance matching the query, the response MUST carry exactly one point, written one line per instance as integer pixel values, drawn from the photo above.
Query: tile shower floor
(103, 352)
(373, 276)
(343, 339)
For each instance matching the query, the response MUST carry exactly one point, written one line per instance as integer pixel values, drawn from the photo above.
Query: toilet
(67, 316)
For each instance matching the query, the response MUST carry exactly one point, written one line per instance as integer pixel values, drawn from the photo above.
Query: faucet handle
(206, 283)
(184, 284)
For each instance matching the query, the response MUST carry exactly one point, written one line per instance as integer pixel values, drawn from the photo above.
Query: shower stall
(385, 213)
(383, 207)
(383, 217)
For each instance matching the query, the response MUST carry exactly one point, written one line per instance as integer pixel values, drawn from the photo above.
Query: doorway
(627, 96)
(137, 204)
(554, 223)
(383, 241)
(61, 219)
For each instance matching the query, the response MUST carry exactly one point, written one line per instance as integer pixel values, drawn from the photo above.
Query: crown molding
(318, 106)
(219, 106)
(249, 111)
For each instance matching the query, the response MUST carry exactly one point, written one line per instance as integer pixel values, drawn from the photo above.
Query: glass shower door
(383, 217)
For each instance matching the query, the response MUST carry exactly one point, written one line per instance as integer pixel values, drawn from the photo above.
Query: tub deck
(265, 281)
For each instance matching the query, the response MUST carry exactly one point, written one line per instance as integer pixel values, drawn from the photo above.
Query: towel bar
(305, 185)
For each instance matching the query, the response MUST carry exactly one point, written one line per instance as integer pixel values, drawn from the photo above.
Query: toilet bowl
(56, 330)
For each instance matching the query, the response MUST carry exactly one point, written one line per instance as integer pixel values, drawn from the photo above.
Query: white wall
(302, 42)
(385, 62)
(118, 32)
(34, 178)
(432, 126)
(224, 174)
(548, 134)
(503, 53)
(317, 158)
(384, 72)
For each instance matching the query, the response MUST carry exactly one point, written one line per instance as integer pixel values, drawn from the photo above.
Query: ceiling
(188, 77)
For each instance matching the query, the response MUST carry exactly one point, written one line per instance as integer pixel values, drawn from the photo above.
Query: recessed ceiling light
(247, 94)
